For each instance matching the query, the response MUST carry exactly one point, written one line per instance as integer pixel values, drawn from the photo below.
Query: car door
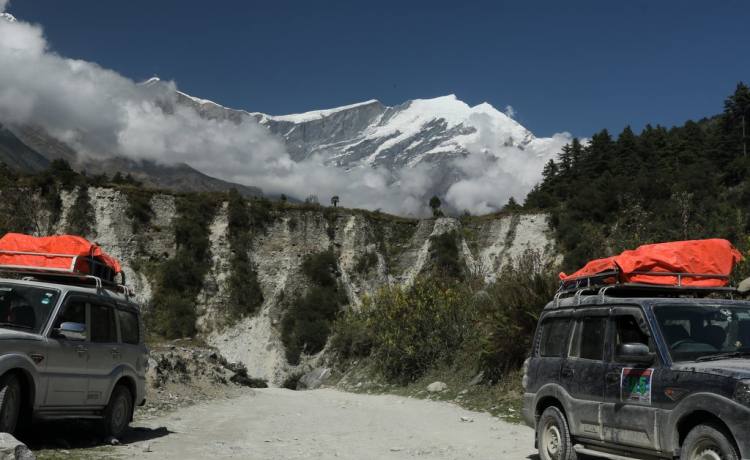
(67, 359)
(104, 352)
(584, 370)
(628, 414)
(551, 349)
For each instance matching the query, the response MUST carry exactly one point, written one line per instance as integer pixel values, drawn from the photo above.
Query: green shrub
(139, 208)
(174, 315)
(444, 255)
(439, 321)
(321, 268)
(408, 330)
(366, 262)
(181, 278)
(351, 337)
(81, 217)
(509, 310)
(291, 381)
(245, 294)
(306, 325)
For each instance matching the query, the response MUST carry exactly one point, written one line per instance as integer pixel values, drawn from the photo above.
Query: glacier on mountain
(474, 157)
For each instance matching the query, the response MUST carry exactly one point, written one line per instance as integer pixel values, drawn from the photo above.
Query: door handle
(80, 349)
(115, 353)
(567, 372)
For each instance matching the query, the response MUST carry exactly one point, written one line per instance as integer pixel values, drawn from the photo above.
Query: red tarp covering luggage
(703, 257)
(54, 252)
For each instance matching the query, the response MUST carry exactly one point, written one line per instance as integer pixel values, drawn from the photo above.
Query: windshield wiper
(717, 356)
(20, 326)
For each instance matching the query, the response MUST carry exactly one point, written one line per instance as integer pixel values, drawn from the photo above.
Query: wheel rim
(119, 415)
(706, 449)
(552, 441)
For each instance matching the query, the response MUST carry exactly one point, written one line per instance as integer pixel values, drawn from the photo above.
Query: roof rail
(67, 277)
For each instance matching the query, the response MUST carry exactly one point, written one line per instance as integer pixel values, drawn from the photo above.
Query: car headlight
(742, 392)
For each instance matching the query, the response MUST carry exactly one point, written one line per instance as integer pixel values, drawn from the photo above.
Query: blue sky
(575, 66)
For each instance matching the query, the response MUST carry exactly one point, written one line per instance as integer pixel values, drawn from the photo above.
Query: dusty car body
(69, 351)
(640, 373)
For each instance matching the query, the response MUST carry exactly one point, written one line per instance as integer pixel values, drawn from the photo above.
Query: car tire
(10, 407)
(553, 436)
(708, 441)
(118, 413)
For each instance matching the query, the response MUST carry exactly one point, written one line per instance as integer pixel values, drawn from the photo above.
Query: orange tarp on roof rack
(53, 252)
(710, 262)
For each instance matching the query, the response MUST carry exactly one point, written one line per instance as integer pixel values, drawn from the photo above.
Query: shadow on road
(72, 434)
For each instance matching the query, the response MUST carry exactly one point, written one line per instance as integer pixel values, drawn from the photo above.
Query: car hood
(12, 334)
(738, 368)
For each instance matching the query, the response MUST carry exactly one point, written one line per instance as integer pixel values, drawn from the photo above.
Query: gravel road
(327, 424)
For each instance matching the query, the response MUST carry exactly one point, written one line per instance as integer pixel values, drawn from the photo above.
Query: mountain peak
(8, 17)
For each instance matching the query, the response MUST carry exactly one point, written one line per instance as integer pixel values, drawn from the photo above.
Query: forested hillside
(685, 182)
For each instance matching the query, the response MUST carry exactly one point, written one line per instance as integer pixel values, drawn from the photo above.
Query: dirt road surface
(328, 424)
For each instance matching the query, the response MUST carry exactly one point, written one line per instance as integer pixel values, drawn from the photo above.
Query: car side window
(74, 311)
(129, 327)
(103, 326)
(588, 341)
(629, 330)
(553, 341)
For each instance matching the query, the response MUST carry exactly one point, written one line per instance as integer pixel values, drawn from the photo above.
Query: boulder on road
(314, 379)
(437, 387)
(13, 449)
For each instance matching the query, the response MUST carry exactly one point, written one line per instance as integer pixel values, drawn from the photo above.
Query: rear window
(103, 326)
(129, 328)
(554, 337)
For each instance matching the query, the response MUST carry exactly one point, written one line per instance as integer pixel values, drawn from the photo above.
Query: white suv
(69, 351)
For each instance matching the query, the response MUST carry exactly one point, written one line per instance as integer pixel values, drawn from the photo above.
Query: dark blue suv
(641, 372)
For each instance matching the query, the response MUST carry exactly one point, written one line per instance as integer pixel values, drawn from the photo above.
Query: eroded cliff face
(371, 249)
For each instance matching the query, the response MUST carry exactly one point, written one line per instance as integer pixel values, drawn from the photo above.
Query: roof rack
(101, 275)
(608, 282)
(612, 278)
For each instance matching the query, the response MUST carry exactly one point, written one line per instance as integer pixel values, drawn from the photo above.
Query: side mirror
(70, 330)
(636, 353)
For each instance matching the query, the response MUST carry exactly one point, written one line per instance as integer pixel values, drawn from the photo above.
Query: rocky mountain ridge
(400, 248)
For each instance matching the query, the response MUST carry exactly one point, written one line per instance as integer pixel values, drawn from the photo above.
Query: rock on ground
(13, 449)
(314, 379)
(437, 387)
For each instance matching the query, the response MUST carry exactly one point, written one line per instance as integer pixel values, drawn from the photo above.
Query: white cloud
(510, 111)
(3, 5)
(101, 113)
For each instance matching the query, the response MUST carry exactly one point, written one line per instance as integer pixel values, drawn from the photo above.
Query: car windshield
(695, 332)
(24, 307)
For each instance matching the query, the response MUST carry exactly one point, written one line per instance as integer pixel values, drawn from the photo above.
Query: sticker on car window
(635, 385)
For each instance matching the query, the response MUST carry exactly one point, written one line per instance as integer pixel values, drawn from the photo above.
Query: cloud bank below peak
(101, 113)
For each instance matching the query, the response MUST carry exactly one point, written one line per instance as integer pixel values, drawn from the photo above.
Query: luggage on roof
(695, 263)
(57, 255)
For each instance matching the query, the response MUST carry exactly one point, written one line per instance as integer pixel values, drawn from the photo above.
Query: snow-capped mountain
(436, 134)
